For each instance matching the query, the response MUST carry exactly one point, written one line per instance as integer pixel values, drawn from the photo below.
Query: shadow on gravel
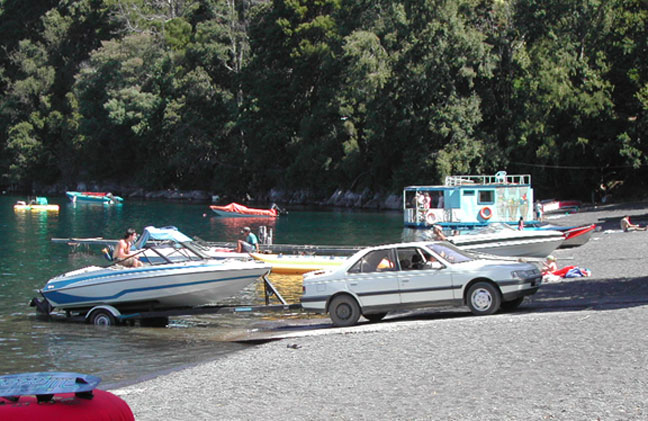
(586, 293)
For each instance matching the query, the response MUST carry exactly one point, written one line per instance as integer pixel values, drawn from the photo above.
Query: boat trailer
(107, 315)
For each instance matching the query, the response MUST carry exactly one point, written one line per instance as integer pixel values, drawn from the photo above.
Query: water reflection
(231, 227)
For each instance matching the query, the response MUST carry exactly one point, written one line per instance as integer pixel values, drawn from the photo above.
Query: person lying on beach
(626, 225)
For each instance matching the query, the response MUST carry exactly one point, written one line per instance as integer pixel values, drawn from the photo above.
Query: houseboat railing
(499, 178)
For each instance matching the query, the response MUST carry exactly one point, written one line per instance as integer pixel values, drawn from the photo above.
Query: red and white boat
(237, 210)
(574, 236)
(553, 206)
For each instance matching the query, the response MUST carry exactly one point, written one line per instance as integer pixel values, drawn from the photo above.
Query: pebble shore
(574, 351)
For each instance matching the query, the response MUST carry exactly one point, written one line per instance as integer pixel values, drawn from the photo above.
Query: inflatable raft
(288, 264)
(38, 205)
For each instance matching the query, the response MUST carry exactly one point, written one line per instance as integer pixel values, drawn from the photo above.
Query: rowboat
(293, 264)
(94, 197)
(238, 210)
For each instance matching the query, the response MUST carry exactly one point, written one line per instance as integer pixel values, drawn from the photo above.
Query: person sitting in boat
(123, 254)
(250, 244)
(438, 233)
(626, 225)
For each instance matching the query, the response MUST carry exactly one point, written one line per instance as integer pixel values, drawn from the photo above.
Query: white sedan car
(380, 279)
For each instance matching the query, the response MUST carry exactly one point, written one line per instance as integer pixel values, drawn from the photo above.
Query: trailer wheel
(102, 317)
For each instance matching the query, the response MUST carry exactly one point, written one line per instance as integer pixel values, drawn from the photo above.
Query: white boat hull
(524, 244)
(185, 284)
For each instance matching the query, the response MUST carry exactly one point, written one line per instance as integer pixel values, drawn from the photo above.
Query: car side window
(375, 261)
(414, 258)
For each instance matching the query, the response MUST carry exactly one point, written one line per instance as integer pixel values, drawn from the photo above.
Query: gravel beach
(574, 351)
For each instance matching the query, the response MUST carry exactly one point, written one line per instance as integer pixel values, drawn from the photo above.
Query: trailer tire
(102, 317)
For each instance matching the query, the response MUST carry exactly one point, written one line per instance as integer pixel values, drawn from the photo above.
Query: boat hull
(174, 285)
(93, 197)
(539, 246)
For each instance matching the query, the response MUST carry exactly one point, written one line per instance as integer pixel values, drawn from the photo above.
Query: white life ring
(430, 217)
(486, 213)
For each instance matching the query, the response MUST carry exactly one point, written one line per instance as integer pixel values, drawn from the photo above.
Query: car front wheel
(483, 299)
(344, 311)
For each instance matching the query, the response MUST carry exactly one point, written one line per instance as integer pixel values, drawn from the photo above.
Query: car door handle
(404, 280)
(353, 284)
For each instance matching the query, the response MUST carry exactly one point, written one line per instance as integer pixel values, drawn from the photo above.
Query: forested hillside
(238, 96)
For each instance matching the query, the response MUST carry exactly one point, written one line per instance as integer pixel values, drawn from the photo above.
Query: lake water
(121, 355)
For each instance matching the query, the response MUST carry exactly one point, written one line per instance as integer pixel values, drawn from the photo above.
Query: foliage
(243, 96)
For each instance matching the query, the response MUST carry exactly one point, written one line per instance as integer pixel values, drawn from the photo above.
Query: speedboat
(575, 236)
(195, 281)
(238, 210)
(94, 197)
(503, 240)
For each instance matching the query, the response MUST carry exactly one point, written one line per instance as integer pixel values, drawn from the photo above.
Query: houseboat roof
(500, 178)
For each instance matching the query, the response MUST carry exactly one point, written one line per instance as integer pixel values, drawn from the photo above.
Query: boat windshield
(451, 253)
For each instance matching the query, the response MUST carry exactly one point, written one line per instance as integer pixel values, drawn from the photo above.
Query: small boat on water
(238, 210)
(294, 264)
(94, 197)
(504, 240)
(40, 204)
(195, 281)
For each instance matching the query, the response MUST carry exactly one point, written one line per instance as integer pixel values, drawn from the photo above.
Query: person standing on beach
(438, 234)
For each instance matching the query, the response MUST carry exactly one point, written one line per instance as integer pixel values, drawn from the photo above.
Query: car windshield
(450, 253)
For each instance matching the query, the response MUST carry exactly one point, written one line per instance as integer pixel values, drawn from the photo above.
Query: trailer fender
(104, 308)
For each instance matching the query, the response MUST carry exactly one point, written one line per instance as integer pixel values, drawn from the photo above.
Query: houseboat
(466, 202)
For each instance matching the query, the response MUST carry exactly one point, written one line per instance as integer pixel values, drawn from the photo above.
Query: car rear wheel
(483, 299)
(512, 305)
(344, 310)
(375, 317)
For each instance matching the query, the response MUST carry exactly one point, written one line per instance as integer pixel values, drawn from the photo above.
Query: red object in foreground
(235, 209)
(103, 406)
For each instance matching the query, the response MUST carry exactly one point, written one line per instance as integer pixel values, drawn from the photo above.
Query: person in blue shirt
(250, 244)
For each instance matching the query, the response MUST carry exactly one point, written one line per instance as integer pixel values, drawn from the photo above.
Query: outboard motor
(42, 306)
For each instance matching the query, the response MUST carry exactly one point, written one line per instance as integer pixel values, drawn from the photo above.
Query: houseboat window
(469, 192)
(486, 197)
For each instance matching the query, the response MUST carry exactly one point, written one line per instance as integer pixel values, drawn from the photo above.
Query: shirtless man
(438, 233)
(626, 225)
(123, 250)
